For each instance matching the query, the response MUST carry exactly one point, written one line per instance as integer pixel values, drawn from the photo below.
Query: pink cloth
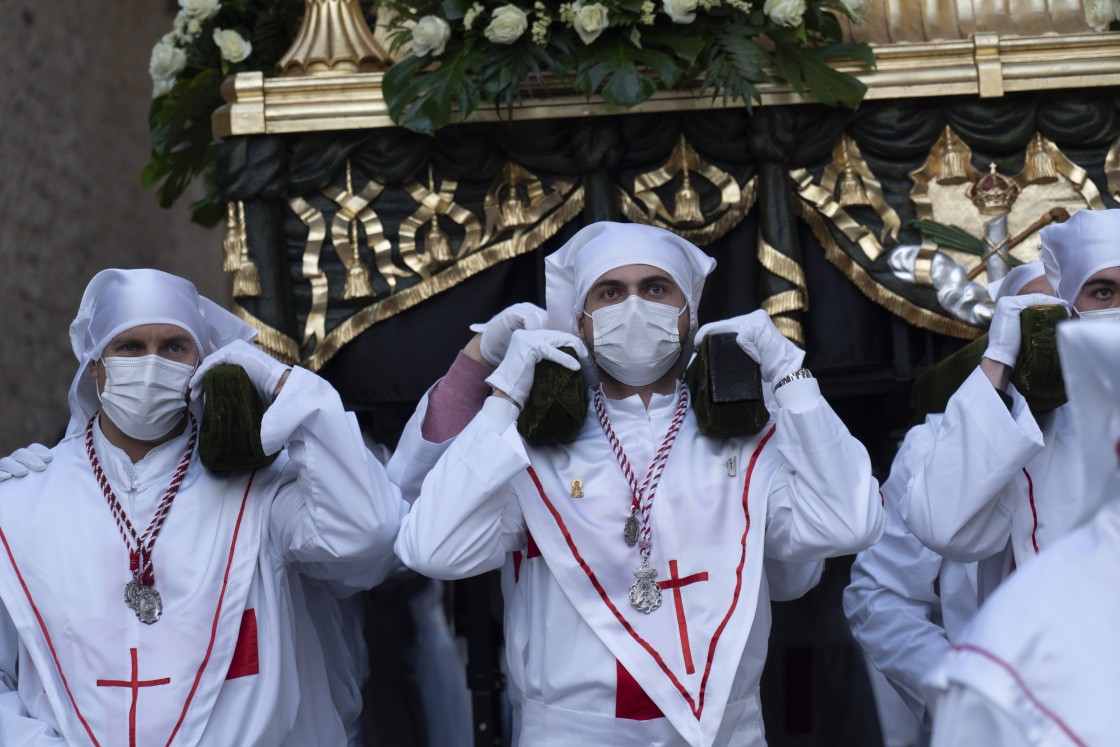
(455, 399)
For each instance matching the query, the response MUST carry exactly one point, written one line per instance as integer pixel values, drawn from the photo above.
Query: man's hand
(514, 376)
(34, 458)
(760, 339)
(1004, 335)
(497, 332)
(267, 374)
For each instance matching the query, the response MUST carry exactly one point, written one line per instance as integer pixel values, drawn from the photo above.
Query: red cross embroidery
(134, 684)
(675, 583)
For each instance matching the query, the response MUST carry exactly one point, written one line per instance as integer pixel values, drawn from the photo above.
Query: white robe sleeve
(954, 504)
(466, 519)
(16, 726)
(414, 456)
(339, 516)
(965, 717)
(890, 603)
(823, 501)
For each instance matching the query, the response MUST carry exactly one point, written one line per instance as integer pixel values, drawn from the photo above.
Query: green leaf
(421, 99)
(613, 68)
(951, 237)
(686, 47)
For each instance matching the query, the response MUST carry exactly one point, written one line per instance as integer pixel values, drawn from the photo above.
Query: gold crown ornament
(993, 193)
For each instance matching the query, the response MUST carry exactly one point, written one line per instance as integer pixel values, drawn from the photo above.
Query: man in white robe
(593, 656)
(1039, 664)
(995, 474)
(906, 603)
(182, 629)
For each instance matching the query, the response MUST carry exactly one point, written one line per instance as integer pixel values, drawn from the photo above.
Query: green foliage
(179, 119)
(728, 49)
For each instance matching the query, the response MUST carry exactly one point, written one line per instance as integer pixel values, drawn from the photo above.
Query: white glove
(527, 348)
(1004, 336)
(264, 371)
(497, 332)
(34, 458)
(761, 340)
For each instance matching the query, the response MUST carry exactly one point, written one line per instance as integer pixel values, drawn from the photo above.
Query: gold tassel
(247, 279)
(357, 283)
(852, 191)
(686, 209)
(1040, 165)
(231, 246)
(952, 170)
(357, 276)
(513, 209)
(436, 244)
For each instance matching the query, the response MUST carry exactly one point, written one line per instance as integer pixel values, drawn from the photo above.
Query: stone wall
(74, 91)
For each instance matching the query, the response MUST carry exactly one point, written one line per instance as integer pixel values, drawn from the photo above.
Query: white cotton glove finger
(527, 348)
(756, 334)
(1004, 334)
(33, 458)
(497, 332)
(263, 370)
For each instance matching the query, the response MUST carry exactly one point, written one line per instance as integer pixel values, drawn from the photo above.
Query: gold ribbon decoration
(688, 217)
(354, 209)
(785, 302)
(438, 252)
(858, 185)
(517, 199)
(315, 330)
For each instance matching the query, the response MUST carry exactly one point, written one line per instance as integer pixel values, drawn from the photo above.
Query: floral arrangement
(464, 52)
(209, 40)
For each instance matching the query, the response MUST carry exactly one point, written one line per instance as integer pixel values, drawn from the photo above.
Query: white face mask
(636, 341)
(145, 396)
(1112, 315)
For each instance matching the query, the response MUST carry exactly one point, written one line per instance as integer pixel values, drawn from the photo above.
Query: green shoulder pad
(230, 434)
(557, 404)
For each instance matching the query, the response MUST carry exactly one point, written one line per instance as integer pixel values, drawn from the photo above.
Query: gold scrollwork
(1112, 169)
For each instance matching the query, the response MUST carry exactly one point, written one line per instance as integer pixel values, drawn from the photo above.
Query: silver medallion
(645, 594)
(132, 594)
(630, 531)
(149, 606)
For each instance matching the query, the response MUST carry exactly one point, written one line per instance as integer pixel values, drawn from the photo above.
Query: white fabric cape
(581, 540)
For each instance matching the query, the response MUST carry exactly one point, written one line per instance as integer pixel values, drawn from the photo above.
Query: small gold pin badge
(577, 488)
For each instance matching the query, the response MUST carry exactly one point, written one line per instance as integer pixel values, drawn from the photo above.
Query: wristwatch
(803, 373)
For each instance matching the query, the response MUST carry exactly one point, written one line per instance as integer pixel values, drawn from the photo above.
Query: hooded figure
(127, 555)
(638, 561)
(1039, 664)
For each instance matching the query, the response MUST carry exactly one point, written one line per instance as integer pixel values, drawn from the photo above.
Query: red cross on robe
(134, 684)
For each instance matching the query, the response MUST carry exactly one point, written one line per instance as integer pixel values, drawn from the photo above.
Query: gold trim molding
(985, 65)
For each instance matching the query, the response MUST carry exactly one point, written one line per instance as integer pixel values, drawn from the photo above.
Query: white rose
(430, 36)
(590, 20)
(234, 46)
(858, 8)
(681, 11)
(785, 12)
(507, 25)
(1100, 13)
(166, 63)
(200, 9)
